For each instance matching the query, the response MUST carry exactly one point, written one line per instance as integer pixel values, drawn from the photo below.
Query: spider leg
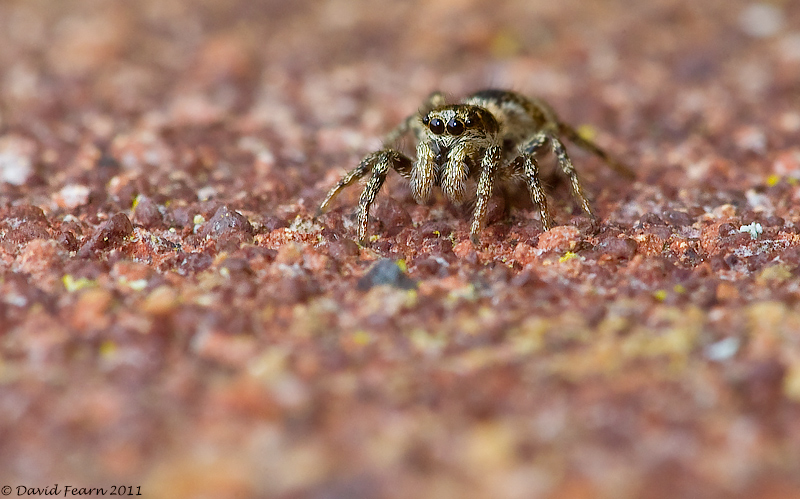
(534, 144)
(423, 173)
(352, 176)
(489, 167)
(590, 146)
(379, 163)
(566, 166)
(527, 166)
(454, 175)
(383, 160)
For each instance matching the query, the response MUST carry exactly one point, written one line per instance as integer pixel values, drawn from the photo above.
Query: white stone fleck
(759, 201)
(136, 285)
(71, 196)
(15, 299)
(751, 139)
(198, 221)
(206, 193)
(754, 229)
(761, 20)
(260, 150)
(15, 160)
(723, 349)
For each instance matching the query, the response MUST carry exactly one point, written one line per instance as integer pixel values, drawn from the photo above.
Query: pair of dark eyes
(454, 126)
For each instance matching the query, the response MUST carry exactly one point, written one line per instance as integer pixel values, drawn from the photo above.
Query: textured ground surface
(173, 317)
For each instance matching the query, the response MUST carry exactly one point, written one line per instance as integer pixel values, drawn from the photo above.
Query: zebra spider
(492, 135)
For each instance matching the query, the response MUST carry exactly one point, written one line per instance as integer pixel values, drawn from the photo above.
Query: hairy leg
(534, 144)
(526, 167)
(352, 176)
(454, 175)
(378, 163)
(384, 160)
(566, 166)
(423, 174)
(489, 167)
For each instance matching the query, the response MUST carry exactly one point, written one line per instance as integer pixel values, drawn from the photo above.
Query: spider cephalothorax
(456, 137)
(493, 135)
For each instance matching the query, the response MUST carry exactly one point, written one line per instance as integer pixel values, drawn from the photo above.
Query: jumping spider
(492, 135)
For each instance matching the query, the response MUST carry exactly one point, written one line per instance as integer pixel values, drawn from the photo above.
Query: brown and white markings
(491, 136)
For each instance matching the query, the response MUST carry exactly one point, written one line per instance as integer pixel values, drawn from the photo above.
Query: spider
(492, 135)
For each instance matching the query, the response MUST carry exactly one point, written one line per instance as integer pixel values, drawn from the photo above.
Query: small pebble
(386, 273)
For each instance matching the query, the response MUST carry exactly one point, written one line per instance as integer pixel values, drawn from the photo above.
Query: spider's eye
(437, 126)
(426, 119)
(455, 127)
(470, 122)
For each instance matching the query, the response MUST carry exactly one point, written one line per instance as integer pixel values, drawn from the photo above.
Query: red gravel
(174, 317)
